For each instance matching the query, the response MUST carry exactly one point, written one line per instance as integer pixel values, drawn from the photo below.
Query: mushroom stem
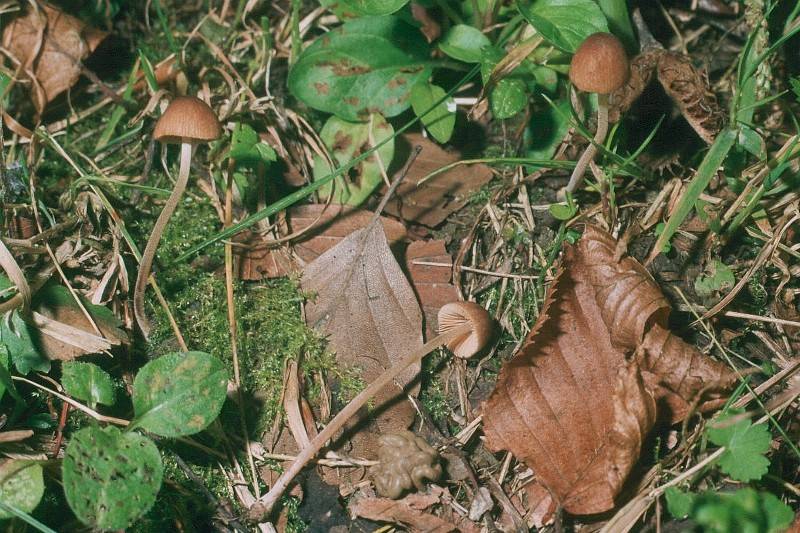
(260, 509)
(588, 155)
(146, 264)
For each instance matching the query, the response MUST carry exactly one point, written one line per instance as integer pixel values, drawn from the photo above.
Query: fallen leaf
(431, 202)
(432, 284)
(331, 224)
(51, 45)
(365, 305)
(571, 404)
(65, 333)
(408, 512)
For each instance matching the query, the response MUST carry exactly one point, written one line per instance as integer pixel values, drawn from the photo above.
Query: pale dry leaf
(431, 202)
(575, 404)
(51, 44)
(364, 304)
(331, 224)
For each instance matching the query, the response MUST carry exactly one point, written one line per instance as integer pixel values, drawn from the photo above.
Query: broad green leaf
(718, 278)
(179, 393)
(248, 149)
(110, 478)
(347, 140)
(508, 98)
(16, 335)
(679, 503)
(21, 485)
(745, 446)
(745, 510)
(464, 43)
(565, 23)
(367, 65)
(372, 7)
(5, 377)
(87, 382)
(441, 120)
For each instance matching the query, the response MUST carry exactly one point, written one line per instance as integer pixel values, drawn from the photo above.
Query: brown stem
(260, 509)
(146, 264)
(588, 155)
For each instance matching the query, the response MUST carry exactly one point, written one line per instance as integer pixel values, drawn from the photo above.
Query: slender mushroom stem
(260, 509)
(146, 264)
(588, 155)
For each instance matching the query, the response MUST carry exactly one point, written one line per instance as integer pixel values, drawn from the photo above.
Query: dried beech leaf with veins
(368, 310)
(51, 45)
(572, 404)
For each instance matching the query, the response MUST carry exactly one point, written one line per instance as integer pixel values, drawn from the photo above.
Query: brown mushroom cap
(455, 314)
(187, 119)
(600, 64)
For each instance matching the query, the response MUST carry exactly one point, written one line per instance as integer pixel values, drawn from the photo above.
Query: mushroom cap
(600, 64)
(455, 314)
(187, 118)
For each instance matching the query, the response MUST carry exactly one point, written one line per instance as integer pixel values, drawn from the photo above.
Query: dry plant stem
(588, 155)
(233, 328)
(149, 253)
(262, 508)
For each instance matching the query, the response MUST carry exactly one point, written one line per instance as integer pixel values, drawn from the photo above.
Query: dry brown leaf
(368, 310)
(331, 223)
(570, 404)
(51, 45)
(432, 284)
(429, 203)
(688, 88)
(408, 512)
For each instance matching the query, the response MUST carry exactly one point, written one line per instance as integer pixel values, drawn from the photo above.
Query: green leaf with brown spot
(179, 393)
(110, 478)
(367, 65)
(21, 485)
(87, 382)
(346, 141)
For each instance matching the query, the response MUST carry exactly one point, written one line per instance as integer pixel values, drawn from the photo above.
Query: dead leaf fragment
(331, 224)
(408, 512)
(368, 310)
(575, 404)
(50, 44)
(432, 284)
(431, 202)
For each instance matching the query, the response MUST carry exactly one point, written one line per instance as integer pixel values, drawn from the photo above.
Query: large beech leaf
(21, 485)
(179, 393)
(365, 305)
(367, 65)
(110, 478)
(347, 141)
(575, 403)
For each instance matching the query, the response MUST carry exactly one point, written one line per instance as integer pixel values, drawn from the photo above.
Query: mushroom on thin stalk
(187, 121)
(600, 66)
(464, 327)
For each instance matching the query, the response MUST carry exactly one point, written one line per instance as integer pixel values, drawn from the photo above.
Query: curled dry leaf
(575, 404)
(410, 512)
(688, 88)
(430, 202)
(50, 44)
(331, 224)
(365, 305)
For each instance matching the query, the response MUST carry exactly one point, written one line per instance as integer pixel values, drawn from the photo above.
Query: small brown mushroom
(406, 461)
(474, 318)
(600, 66)
(455, 314)
(187, 121)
